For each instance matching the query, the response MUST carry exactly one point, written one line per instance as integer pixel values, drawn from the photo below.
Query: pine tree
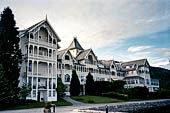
(61, 88)
(10, 55)
(89, 87)
(75, 84)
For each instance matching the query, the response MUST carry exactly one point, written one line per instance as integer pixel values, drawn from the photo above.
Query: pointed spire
(46, 17)
(75, 44)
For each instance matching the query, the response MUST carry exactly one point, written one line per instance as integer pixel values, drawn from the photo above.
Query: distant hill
(162, 74)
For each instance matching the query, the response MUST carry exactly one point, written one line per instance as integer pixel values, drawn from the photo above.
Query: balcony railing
(42, 86)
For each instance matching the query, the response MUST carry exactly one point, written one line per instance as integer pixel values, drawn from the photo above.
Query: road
(73, 109)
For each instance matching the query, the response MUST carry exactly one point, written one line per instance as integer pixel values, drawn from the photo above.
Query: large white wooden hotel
(43, 63)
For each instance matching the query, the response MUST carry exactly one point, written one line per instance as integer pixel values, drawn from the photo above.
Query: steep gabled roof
(61, 53)
(137, 62)
(83, 54)
(107, 62)
(75, 45)
(38, 24)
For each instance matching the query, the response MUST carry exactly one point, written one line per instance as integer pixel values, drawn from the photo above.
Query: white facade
(42, 63)
(39, 45)
(135, 73)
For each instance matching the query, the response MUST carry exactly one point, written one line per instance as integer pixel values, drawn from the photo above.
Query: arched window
(90, 59)
(30, 66)
(31, 36)
(67, 57)
(54, 41)
(113, 66)
(113, 73)
(67, 78)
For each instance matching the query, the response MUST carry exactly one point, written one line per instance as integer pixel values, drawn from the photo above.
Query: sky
(122, 30)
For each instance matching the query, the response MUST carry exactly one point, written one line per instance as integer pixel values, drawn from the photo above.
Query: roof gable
(85, 53)
(46, 22)
(75, 45)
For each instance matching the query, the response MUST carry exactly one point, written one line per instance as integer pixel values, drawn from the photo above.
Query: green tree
(75, 84)
(10, 56)
(4, 96)
(117, 85)
(61, 88)
(25, 90)
(89, 87)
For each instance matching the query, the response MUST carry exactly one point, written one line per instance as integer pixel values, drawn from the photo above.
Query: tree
(25, 90)
(10, 55)
(117, 85)
(61, 88)
(4, 96)
(75, 84)
(89, 87)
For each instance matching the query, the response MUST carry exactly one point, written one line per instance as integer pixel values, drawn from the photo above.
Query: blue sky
(115, 29)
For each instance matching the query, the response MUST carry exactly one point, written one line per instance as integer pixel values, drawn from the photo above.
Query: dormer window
(67, 57)
(113, 66)
(54, 41)
(90, 58)
(31, 36)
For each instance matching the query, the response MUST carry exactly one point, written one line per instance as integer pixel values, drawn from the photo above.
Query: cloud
(138, 48)
(95, 23)
(164, 51)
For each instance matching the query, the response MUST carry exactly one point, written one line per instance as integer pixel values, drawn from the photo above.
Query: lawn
(95, 99)
(33, 104)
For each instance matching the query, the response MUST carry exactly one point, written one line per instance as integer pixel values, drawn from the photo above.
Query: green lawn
(95, 99)
(33, 104)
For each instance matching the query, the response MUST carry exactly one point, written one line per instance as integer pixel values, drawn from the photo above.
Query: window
(30, 81)
(53, 93)
(113, 66)
(34, 93)
(54, 42)
(31, 36)
(67, 78)
(102, 79)
(82, 78)
(113, 73)
(50, 83)
(54, 84)
(30, 66)
(39, 37)
(147, 81)
(49, 93)
(90, 59)
(67, 57)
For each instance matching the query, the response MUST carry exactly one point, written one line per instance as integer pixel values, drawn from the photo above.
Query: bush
(116, 95)
(138, 93)
(163, 93)
(101, 87)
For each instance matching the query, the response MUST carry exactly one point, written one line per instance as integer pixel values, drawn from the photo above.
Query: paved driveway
(76, 105)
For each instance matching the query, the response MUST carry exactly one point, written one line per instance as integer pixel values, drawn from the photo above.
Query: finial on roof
(75, 37)
(46, 17)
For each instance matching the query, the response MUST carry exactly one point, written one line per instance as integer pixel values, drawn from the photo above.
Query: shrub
(101, 87)
(162, 93)
(138, 93)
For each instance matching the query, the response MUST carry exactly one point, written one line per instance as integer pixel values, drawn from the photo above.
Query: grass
(95, 99)
(33, 104)
(62, 102)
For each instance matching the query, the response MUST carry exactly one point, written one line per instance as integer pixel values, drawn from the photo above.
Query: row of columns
(53, 52)
(37, 76)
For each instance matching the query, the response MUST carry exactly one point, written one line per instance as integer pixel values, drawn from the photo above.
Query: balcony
(40, 56)
(42, 86)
